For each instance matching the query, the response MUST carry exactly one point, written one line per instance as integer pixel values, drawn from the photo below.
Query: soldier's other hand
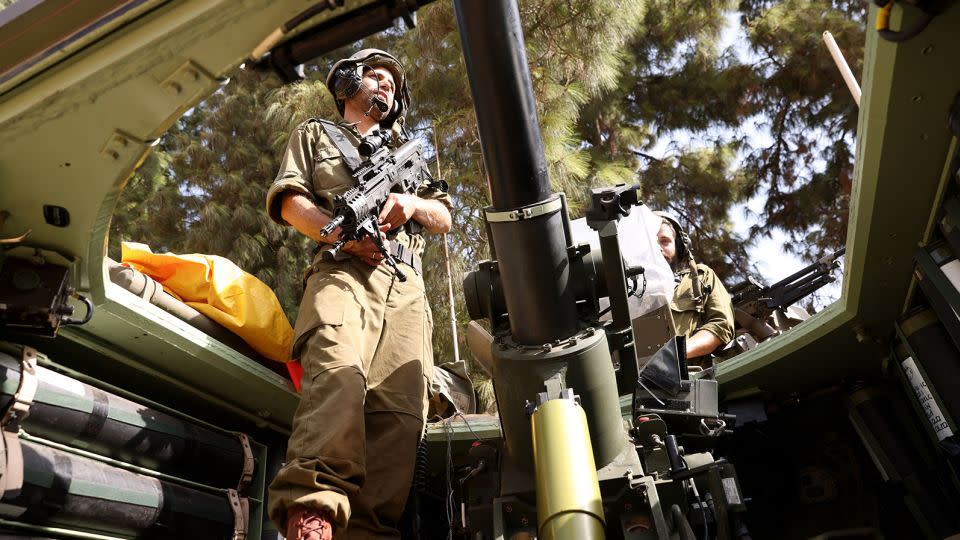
(366, 250)
(397, 210)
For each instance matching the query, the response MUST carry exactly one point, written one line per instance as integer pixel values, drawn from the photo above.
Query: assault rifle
(765, 311)
(384, 172)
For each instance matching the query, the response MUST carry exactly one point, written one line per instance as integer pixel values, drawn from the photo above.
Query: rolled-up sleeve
(430, 192)
(296, 169)
(718, 312)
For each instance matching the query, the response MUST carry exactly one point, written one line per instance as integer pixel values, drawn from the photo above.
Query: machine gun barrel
(795, 286)
(828, 262)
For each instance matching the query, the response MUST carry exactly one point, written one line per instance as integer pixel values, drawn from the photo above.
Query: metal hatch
(75, 124)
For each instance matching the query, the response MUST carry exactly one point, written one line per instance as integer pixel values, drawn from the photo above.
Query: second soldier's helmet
(681, 240)
(344, 79)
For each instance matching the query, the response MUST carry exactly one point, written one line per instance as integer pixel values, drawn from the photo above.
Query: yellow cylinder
(568, 492)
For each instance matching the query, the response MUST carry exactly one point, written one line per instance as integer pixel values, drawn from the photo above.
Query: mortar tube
(532, 252)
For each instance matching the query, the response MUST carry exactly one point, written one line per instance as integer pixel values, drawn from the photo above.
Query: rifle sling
(351, 157)
(403, 254)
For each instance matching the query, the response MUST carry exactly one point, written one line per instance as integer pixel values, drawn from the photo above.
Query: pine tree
(807, 170)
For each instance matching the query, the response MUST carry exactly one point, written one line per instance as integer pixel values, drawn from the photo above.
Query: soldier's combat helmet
(344, 78)
(681, 240)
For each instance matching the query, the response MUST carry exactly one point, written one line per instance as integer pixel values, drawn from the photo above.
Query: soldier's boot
(308, 524)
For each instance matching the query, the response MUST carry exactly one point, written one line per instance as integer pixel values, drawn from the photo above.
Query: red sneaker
(308, 524)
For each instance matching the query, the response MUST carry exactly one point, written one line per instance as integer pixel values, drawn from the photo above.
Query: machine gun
(384, 172)
(766, 311)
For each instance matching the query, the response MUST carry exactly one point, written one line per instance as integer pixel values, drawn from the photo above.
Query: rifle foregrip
(331, 254)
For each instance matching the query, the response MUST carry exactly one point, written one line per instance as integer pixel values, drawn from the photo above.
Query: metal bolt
(928, 49)
(508, 508)
(524, 521)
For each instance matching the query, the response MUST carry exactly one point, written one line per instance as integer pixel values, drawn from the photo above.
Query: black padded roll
(66, 490)
(78, 415)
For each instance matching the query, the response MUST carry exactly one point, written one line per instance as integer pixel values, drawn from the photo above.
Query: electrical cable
(703, 512)
(450, 507)
(642, 291)
(448, 500)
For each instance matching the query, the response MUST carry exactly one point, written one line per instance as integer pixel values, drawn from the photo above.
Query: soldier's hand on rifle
(366, 250)
(397, 210)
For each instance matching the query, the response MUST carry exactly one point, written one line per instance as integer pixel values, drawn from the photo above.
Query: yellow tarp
(222, 291)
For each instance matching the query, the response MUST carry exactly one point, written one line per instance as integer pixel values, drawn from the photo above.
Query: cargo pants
(367, 366)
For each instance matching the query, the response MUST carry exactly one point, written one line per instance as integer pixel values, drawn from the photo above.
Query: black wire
(703, 515)
(448, 500)
(642, 291)
(630, 292)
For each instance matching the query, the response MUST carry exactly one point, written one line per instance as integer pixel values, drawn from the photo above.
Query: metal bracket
(19, 407)
(123, 145)
(241, 514)
(246, 476)
(190, 77)
(527, 212)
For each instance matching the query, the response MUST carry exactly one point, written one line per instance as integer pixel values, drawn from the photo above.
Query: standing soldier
(362, 335)
(701, 306)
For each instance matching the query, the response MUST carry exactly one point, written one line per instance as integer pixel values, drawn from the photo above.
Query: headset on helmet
(346, 75)
(681, 240)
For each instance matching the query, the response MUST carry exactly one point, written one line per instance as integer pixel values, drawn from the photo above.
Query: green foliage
(807, 170)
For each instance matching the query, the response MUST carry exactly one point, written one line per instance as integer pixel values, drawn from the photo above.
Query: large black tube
(536, 283)
(503, 98)
(69, 412)
(345, 29)
(532, 252)
(67, 490)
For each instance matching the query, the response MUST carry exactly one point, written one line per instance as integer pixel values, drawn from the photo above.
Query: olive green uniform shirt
(717, 314)
(313, 167)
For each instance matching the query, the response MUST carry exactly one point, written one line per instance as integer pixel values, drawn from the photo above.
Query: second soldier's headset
(681, 239)
(683, 256)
